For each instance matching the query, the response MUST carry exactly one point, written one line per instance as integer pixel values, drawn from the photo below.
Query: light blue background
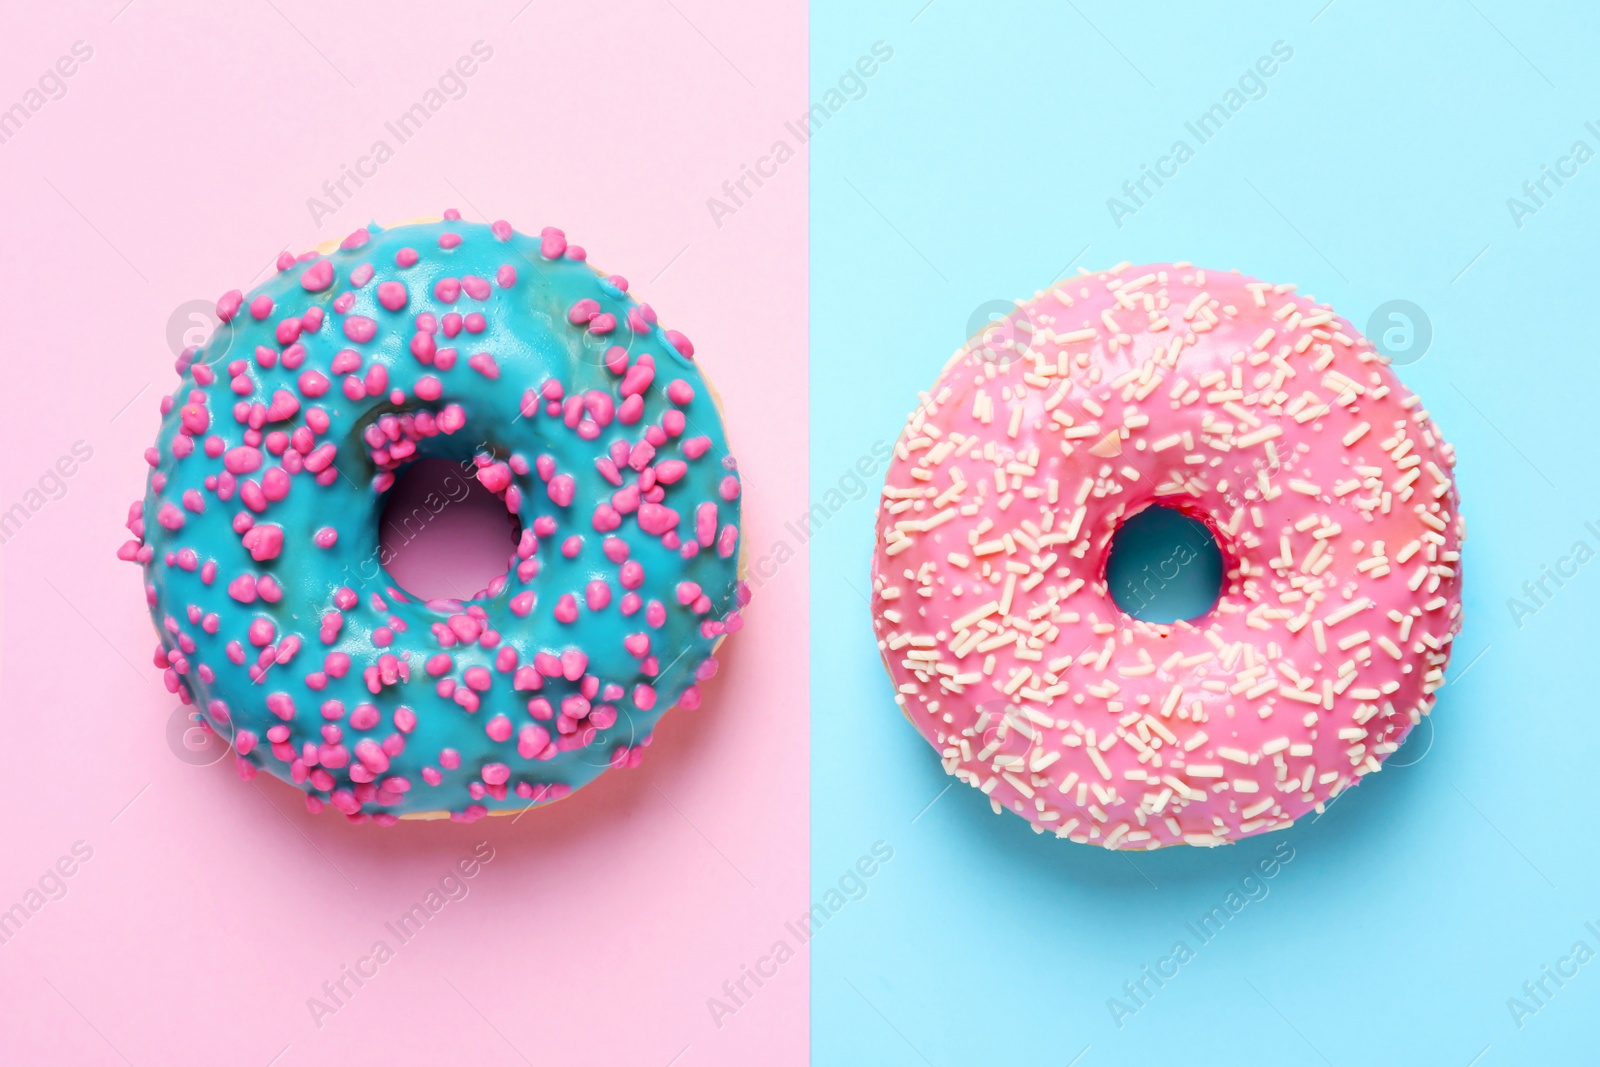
(1377, 167)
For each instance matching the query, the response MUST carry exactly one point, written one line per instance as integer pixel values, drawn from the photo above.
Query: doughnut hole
(443, 535)
(1164, 566)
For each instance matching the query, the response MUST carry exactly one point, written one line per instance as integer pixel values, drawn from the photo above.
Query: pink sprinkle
(372, 756)
(284, 406)
(360, 329)
(573, 664)
(423, 347)
(275, 484)
(194, 418)
(501, 229)
(312, 384)
(406, 257)
(465, 627)
(242, 460)
(261, 632)
(281, 705)
(326, 537)
(228, 304)
(317, 277)
(496, 477)
(264, 542)
(392, 295)
(681, 343)
(478, 679)
(498, 728)
(562, 489)
(729, 488)
(506, 276)
(584, 310)
(567, 609)
(170, 517)
(705, 523)
(638, 378)
(496, 773)
(654, 519)
(680, 392)
(261, 307)
(532, 739)
(321, 457)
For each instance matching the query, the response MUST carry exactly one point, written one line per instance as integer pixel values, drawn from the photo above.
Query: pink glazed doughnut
(1254, 409)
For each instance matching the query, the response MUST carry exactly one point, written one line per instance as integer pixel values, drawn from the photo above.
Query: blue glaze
(529, 335)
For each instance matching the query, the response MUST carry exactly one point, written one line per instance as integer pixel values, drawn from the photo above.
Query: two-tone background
(827, 201)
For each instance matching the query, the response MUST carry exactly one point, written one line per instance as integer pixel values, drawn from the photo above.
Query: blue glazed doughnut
(258, 533)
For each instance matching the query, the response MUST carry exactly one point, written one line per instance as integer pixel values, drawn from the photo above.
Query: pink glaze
(1327, 487)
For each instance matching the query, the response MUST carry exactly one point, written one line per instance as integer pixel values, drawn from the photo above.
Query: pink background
(177, 165)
